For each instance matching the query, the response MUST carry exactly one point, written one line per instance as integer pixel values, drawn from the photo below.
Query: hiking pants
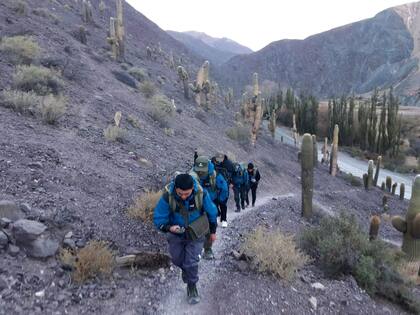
(239, 196)
(184, 254)
(253, 193)
(222, 209)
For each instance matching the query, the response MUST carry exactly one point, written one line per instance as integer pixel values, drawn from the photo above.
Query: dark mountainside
(214, 54)
(355, 58)
(70, 178)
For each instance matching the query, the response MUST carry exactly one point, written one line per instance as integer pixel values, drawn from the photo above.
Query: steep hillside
(214, 55)
(377, 52)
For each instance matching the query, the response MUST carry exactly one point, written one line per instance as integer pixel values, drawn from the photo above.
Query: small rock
(5, 222)
(69, 243)
(13, 250)
(10, 210)
(4, 240)
(3, 284)
(25, 207)
(313, 301)
(162, 279)
(69, 235)
(40, 294)
(35, 165)
(42, 248)
(358, 298)
(318, 286)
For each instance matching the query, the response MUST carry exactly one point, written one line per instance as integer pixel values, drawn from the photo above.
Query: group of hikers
(190, 205)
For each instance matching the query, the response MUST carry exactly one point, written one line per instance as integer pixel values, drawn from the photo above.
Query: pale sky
(257, 23)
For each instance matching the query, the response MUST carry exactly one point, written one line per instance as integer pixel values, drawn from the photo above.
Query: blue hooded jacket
(240, 179)
(221, 193)
(164, 217)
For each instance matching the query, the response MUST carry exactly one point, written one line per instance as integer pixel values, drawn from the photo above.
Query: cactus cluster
(201, 86)
(272, 109)
(334, 152)
(307, 176)
(410, 225)
(117, 33)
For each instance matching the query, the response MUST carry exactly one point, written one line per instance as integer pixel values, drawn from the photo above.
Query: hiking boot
(192, 294)
(208, 254)
(224, 224)
(253, 205)
(238, 210)
(243, 207)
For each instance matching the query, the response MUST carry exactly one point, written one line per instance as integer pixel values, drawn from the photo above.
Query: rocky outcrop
(377, 52)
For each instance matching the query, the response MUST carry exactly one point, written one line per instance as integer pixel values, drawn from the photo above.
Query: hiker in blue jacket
(240, 186)
(216, 186)
(182, 212)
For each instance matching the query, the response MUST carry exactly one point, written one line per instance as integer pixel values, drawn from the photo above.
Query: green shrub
(340, 247)
(52, 108)
(353, 180)
(138, 73)
(133, 121)
(41, 80)
(22, 102)
(274, 253)
(20, 49)
(148, 89)
(160, 117)
(239, 133)
(20, 7)
(162, 103)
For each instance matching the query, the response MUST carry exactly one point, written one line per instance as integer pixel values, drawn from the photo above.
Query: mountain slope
(377, 52)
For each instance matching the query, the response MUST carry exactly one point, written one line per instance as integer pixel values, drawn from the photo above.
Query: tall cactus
(402, 191)
(120, 33)
(370, 175)
(256, 109)
(378, 166)
(325, 151)
(388, 183)
(117, 118)
(229, 97)
(410, 226)
(294, 129)
(374, 227)
(87, 16)
(112, 39)
(307, 176)
(334, 152)
(394, 188)
(183, 76)
(315, 150)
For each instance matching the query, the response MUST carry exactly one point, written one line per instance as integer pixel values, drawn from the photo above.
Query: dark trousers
(222, 209)
(253, 194)
(184, 254)
(239, 193)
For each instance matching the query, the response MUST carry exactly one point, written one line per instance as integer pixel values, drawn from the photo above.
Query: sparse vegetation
(21, 7)
(353, 180)
(41, 80)
(114, 133)
(52, 108)
(45, 13)
(162, 103)
(148, 89)
(133, 121)
(95, 259)
(239, 133)
(144, 205)
(340, 247)
(20, 49)
(22, 102)
(138, 73)
(274, 253)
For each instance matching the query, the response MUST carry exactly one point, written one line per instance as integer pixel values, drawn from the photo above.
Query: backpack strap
(168, 195)
(213, 181)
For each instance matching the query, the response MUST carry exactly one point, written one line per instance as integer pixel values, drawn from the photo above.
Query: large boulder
(10, 210)
(25, 231)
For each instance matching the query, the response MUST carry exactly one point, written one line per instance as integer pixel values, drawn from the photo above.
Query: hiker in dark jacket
(223, 166)
(183, 203)
(217, 188)
(253, 179)
(240, 186)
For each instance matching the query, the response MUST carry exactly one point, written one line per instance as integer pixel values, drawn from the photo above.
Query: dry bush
(41, 80)
(45, 13)
(20, 49)
(148, 89)
(22, 102)
(409, 270)
(133, 121)
(52, 108)
(67, 258)
(114, 133)
(144, 205)
(20, 7)
(239, 133)
(162, 103)
(138, 73)
(274, 252)
(93, 260)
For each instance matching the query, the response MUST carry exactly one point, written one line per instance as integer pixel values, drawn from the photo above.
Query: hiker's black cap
(184, 181)
(250, 166)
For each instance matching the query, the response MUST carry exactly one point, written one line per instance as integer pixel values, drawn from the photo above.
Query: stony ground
(72, 180)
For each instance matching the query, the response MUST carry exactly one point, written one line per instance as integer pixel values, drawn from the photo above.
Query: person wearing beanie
(183, 204)
(253, 177)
